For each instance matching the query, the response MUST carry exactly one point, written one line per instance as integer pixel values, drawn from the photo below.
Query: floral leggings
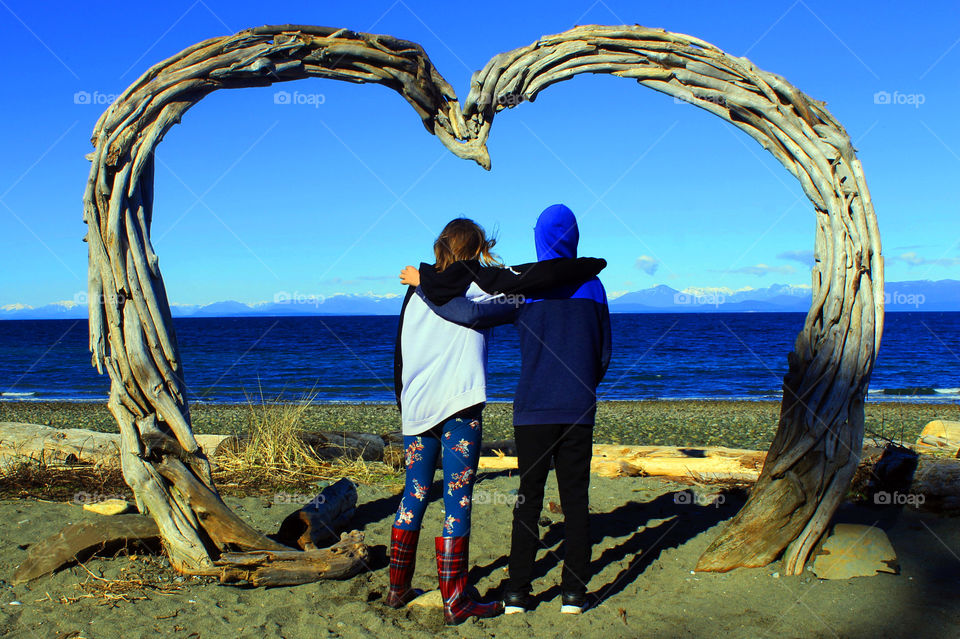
(459, 437)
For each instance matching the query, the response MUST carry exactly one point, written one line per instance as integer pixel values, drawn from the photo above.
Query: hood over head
(556, 233)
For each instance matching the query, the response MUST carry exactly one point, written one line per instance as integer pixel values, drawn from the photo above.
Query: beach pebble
(108, 507)
(429, 599)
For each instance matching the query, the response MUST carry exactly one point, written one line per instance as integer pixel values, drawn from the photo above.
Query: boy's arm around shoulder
(477, 315)
(537, 277)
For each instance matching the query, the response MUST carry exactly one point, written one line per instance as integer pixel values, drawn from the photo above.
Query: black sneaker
(514, 602)
(573, 603)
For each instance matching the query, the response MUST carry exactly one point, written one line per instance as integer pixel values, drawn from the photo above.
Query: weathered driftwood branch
(344, 559)
(78, 542)
(131, 330)
(815, 452)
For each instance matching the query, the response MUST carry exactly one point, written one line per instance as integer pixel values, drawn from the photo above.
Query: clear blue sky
(256, 198)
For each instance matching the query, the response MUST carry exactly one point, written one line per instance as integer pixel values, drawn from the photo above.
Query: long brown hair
(464, 239)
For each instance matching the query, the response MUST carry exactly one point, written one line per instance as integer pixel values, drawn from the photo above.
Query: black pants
(570, 447)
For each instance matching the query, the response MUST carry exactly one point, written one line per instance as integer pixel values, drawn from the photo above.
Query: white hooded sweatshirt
(444, 365)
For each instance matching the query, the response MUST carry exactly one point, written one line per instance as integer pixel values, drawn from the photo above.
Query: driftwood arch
(817, 446)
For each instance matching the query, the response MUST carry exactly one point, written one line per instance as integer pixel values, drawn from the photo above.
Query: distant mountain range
(919, 295)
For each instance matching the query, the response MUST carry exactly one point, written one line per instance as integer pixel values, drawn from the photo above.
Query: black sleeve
(526, 279)
(398, 352)
(441, 287)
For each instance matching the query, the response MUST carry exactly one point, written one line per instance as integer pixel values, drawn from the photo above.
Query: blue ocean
(350, 359)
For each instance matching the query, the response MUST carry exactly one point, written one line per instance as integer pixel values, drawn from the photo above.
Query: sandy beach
(646, 544)
(648, 534)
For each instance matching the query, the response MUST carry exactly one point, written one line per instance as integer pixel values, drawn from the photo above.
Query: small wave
(947, 391)
(917, 391)
(17, 394)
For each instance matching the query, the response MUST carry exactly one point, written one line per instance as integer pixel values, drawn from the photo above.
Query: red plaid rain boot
(403, 559)
(458, 601)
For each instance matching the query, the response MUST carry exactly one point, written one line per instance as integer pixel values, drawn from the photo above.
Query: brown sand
(647, 544)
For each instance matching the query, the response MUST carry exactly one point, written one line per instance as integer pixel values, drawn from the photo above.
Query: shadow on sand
(676, 519)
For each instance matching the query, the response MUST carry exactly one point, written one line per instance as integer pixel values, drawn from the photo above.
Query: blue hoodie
(564, 337)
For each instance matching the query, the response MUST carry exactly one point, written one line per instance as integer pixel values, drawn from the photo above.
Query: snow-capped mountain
(920, 295)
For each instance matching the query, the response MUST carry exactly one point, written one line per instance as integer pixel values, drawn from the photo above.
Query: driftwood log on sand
(345, 558)
(940, 435)
(886, 475)
(55, 446)
(319, 523)
(684, 463)
(71, 445)
(321, 520)
(897, 476)
(77, 542)
(698, 463)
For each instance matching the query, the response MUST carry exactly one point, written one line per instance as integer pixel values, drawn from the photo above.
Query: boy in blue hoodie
(565, 350)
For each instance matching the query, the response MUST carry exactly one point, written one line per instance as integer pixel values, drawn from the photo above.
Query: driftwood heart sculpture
(818, 442)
